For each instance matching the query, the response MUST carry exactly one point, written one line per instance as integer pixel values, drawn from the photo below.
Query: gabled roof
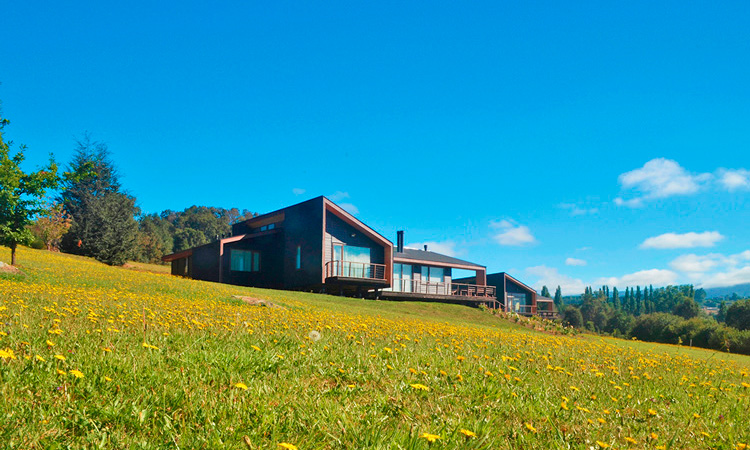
(432, 257)
(511, 279)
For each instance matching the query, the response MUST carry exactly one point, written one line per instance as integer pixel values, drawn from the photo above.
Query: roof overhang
(424, 262)
(339, 212)
(178, 255)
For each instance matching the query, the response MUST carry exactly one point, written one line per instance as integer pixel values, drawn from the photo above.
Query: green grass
(358, 386)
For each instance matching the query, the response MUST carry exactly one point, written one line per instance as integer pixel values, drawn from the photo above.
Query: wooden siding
(339, 232)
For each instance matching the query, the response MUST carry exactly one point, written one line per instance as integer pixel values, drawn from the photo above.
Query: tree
(545, 292)
(558, 298)
(687, 308)
(616, 299)
(20, 195)
(50, 225)
(572, 316)
(738, 315)
(155, 238)
(721, 316)
(104, 225)
(700, 295)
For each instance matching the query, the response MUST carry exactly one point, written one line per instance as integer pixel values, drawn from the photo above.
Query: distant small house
(515, 296)
(318, 246)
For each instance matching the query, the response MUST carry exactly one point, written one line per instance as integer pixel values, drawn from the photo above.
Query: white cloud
(338, 196)
(350, 208)
(662, 178)
(734, 179)
(577, 210)
(729, 278)
(298, 191)
(715, 269)
(632, 203)
(444, 247)
(512, 233)
(696, 263)
(575, 262)
(659, 178)
(550, 277)
(657, 277)
(685, 240)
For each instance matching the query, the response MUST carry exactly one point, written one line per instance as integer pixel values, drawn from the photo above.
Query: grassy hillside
(94, 356)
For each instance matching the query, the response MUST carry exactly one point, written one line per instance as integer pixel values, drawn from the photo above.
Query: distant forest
(175, 231)
(91, 214)
(670, 314)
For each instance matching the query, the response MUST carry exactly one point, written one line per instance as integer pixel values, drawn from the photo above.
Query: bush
(658, 327)
(572, 316)
(738, 315)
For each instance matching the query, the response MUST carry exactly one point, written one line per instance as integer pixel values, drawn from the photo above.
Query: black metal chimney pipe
(400, 241)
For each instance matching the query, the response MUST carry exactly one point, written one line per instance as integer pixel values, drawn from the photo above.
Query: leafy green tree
(700, 295)
(21, 195)
(687, 308)
(558, 299)
(616, 299)
(721, 316)
(545, 292)
(50, 225)
(188, 238)
(104, 225)
(155, 239)
(738, 315)
(572, 316)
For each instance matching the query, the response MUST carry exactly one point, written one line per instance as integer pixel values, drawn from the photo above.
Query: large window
(433, 274)
(245, 260)
(298, 263)
(402, 278)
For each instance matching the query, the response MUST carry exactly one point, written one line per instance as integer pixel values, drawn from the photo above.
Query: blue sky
(568, 143)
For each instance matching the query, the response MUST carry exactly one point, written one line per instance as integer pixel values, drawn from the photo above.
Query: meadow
(93, 356)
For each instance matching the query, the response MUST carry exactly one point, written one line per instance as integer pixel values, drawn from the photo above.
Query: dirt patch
(252, 301)
(7, 268)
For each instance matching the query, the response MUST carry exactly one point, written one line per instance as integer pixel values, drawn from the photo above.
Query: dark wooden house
(515, 296)
(316, 245)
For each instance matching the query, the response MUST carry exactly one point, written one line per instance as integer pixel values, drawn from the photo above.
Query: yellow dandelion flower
(741, 446)
(61, 372)
(631, 440)
(50, 343)
(651, 412)
(602, 444)
(39, 358)
(467, 433)
(429, 437)
(242, 386)
(696, 416)
(107, 379)
(564, 406)
(7, 354)
(601, 420)
(287, 446)
(60, 357)
(257, 349)
(704, 434)
(419, 387)
(76, 373)
(654, 436)
(530, 427)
